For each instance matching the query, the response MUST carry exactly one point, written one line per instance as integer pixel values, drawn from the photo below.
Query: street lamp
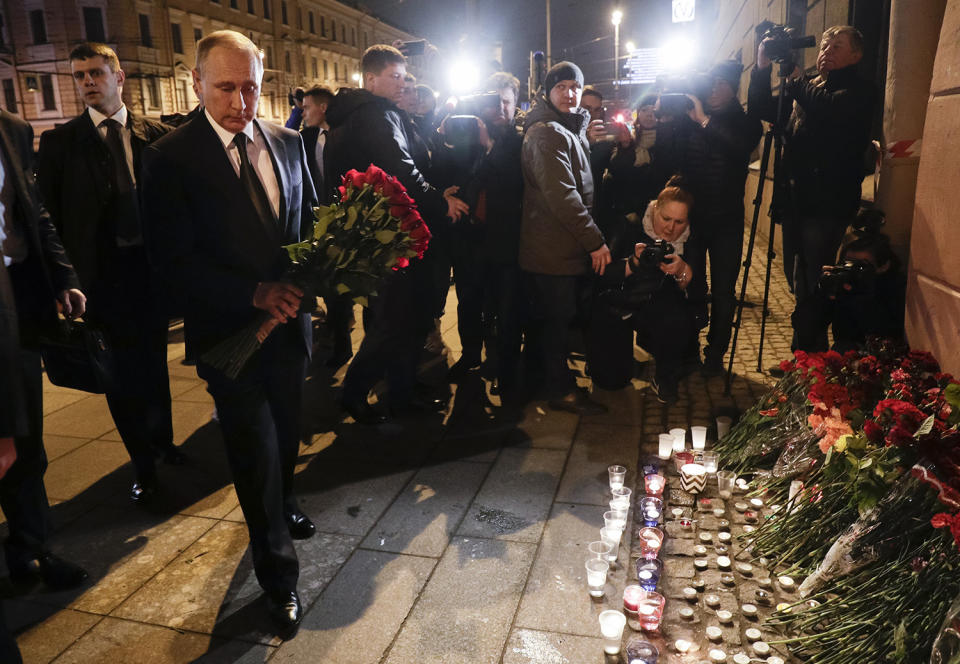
(615, 19)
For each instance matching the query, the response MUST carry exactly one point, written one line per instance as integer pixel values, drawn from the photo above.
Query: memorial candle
(651, 508)
(651, 539)
(654, 484)
(648, 573)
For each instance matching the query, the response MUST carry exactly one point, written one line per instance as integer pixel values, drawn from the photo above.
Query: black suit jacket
(310, 136)
(75, 176)
(46, 271)
(203, 232)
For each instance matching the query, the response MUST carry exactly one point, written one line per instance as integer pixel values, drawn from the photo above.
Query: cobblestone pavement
(458, 538)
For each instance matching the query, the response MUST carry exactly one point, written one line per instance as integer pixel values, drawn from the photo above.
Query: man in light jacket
(560, 245)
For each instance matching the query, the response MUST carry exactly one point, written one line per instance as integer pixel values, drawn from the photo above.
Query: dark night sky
(520, 26)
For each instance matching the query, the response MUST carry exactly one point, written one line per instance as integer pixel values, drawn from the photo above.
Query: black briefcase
(78, 357)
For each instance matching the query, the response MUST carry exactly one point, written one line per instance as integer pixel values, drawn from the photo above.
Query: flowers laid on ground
(356, 243)
(862, 453)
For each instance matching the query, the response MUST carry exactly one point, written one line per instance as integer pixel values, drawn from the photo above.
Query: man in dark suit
(88, 172)
(40, 277)
(221, 196)
(314, 132)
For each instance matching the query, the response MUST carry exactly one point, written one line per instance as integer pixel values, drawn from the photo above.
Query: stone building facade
(305, 42)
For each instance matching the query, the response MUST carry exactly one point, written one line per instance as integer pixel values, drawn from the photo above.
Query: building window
(333, 30)
(303, 65)
(286, 62)
(3, 39)
(46, 88)
(336, 71)
(93, 24)
(313, 26)
(323, 26)
(183, 97)
(250, 8)
(145, 37)
(353, 36)
(39, 26)
(9, 96)
(268, 56)
(343, 34)
(197, 34)
(266, 9)
(299, 19)
(176, 38)
(234, 4)
(326, 70)
(283, 12)
(365, 41)
(314, 68)
(153, 92)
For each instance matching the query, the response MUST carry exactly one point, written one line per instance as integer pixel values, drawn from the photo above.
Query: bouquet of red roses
(374, 229)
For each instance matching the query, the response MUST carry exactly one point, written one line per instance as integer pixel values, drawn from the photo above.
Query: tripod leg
(748, 261)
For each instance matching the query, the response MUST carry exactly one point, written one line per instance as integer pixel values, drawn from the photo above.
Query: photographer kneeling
(863, 295)
(645, 291)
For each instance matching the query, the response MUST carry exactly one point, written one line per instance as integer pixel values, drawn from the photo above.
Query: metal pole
(549, 53)
(616, 55)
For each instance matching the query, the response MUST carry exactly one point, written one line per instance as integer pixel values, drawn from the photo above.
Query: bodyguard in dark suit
(222, 194)
(88, 172)
(40, 277)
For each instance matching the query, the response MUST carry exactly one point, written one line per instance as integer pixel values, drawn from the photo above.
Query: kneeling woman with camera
(644, 290)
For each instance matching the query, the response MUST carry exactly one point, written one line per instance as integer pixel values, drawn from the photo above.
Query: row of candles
(643, 606)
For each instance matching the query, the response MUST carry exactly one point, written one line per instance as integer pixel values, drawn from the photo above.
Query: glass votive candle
(611, 536)
(698, 435)
(615, 519)
(641, 652)
(723, 426)
(665, 446)
(651, 508)
(648, 573)
(650, 611)
(611, 628)
(596, 576)
(599, 550)
(710, 462)
(680, 459)
(617, 474)
(651, 539)
(725, 482)
(632, 595)
(621, 497)
(654, 484)
(679, 439)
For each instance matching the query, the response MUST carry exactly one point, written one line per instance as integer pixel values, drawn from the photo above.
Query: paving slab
(515, 498)
(482, 447)
(125, 642)
(86, 418)
(542, 427)
(188, 417)
(94, 470)
(556, 598)
(56, 446)
(528, 646)
(464, 613)
(596, 447)
(43, 632)
(54, 400)
(424, 516)
(360, 612)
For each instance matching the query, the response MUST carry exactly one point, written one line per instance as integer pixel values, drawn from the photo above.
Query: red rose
(398, 211)
(343, 192)
(401, 198)
(375, 175)
(403, 261)
(356, 179)
(411, 219)
(420, 232)
(398, 187)
(386, 189)
(873, 431)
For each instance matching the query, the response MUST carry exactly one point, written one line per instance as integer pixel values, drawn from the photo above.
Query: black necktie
(126, 211)
(254, 188)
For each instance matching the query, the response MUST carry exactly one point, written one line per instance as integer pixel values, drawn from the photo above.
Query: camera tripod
(772, 142)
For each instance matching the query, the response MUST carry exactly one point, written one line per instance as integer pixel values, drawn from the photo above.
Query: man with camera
(481, 155)
(825, 139)
(560, 244)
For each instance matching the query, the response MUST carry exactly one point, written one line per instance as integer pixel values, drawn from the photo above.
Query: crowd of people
(552, 221)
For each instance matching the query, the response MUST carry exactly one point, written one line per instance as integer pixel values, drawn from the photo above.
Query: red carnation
(873, 431)
(403, 261)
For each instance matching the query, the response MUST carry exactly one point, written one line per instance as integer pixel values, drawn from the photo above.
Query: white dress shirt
(318, 151)
(259, 156)
(121, 117)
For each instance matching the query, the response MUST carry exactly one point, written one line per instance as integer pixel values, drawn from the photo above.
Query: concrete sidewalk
(457, 538)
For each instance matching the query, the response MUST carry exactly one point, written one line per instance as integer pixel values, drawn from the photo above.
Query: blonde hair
(226, 39)
(855, 36)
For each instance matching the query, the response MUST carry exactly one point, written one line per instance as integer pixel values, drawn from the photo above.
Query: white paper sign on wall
(683, 10)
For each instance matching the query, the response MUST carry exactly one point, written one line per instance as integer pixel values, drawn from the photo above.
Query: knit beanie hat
(562, 71)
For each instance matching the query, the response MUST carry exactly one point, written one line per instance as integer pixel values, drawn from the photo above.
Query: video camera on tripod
(781, 41)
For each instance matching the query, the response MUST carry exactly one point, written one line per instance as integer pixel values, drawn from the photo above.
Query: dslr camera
(783, 41)
(463, 130)
(656, 252)
(674, 91)
(859, 275)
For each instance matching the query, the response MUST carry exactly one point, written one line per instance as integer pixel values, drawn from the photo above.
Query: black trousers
(724, 244)
(469, 274)
(809, 243)
(505, 304)
(122, 305)
(23, 496)
(260, 417)
(555, 303)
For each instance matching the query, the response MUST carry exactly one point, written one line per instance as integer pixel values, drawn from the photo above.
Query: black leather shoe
(143, 491)
(54, 572)
(174, 456)
(461, 368)
(417, 406)
(364, 413)
(285, 611)
(299, 525)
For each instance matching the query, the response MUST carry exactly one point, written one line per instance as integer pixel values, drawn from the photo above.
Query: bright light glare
(678, 53)
(616, 16)
(631, 47)
(463, 77)
(356, 76)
